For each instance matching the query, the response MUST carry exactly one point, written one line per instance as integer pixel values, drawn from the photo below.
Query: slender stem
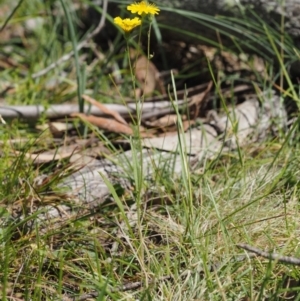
(76, 56)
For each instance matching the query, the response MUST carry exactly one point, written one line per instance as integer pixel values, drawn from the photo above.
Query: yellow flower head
(127, 24)
(143, 7)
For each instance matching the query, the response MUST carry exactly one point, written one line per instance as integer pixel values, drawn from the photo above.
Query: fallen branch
(270, 255)
(33, 112)
(152, 107)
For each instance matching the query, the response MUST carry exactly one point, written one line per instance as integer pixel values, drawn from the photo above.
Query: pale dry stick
(269, 255)
(32, 112)
(67, 56)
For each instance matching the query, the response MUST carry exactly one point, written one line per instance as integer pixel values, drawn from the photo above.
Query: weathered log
(87, 188)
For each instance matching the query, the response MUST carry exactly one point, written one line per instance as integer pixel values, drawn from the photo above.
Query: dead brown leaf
(148, 75)
(58, 129)
(104, 109)
(107, 124)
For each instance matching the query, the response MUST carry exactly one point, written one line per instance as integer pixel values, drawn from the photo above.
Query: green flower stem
(79, 77)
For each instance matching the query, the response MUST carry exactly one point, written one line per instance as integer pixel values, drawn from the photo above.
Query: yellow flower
(143, 7)
(127, 24)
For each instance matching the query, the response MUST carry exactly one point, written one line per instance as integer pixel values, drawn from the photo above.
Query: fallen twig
(269, 255)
